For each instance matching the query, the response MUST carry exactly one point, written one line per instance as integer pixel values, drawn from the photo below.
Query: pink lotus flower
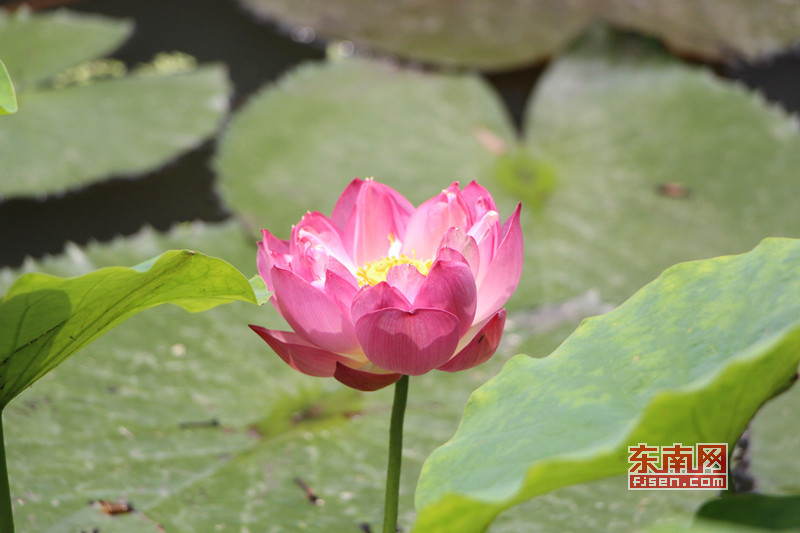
(381, 289)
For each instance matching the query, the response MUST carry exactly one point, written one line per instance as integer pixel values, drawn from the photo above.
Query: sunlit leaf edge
(8, 97)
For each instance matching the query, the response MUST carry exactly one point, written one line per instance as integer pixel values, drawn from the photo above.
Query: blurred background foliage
(636, 134)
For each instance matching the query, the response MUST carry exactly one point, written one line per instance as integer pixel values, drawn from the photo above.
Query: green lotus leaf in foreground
(45, 319)
(689, 358)
(8, 98)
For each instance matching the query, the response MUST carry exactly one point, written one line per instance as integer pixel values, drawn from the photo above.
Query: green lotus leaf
(296, 145)
(474, 33)
(46, 319)
(709, 29)
(72, 136)
(689, 358)
(655, 163)
(86, 118)
(496, 36)
(754, 510)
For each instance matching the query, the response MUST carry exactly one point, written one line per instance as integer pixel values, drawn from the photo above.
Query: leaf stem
(6, 516)
(395, 456)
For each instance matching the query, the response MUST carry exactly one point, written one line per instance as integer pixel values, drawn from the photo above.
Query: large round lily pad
(492, 35)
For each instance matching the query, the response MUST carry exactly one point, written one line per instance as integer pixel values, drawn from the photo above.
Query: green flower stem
(395, 456)
(6, 516)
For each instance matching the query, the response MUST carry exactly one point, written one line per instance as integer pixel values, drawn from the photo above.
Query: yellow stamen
(374, 272)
